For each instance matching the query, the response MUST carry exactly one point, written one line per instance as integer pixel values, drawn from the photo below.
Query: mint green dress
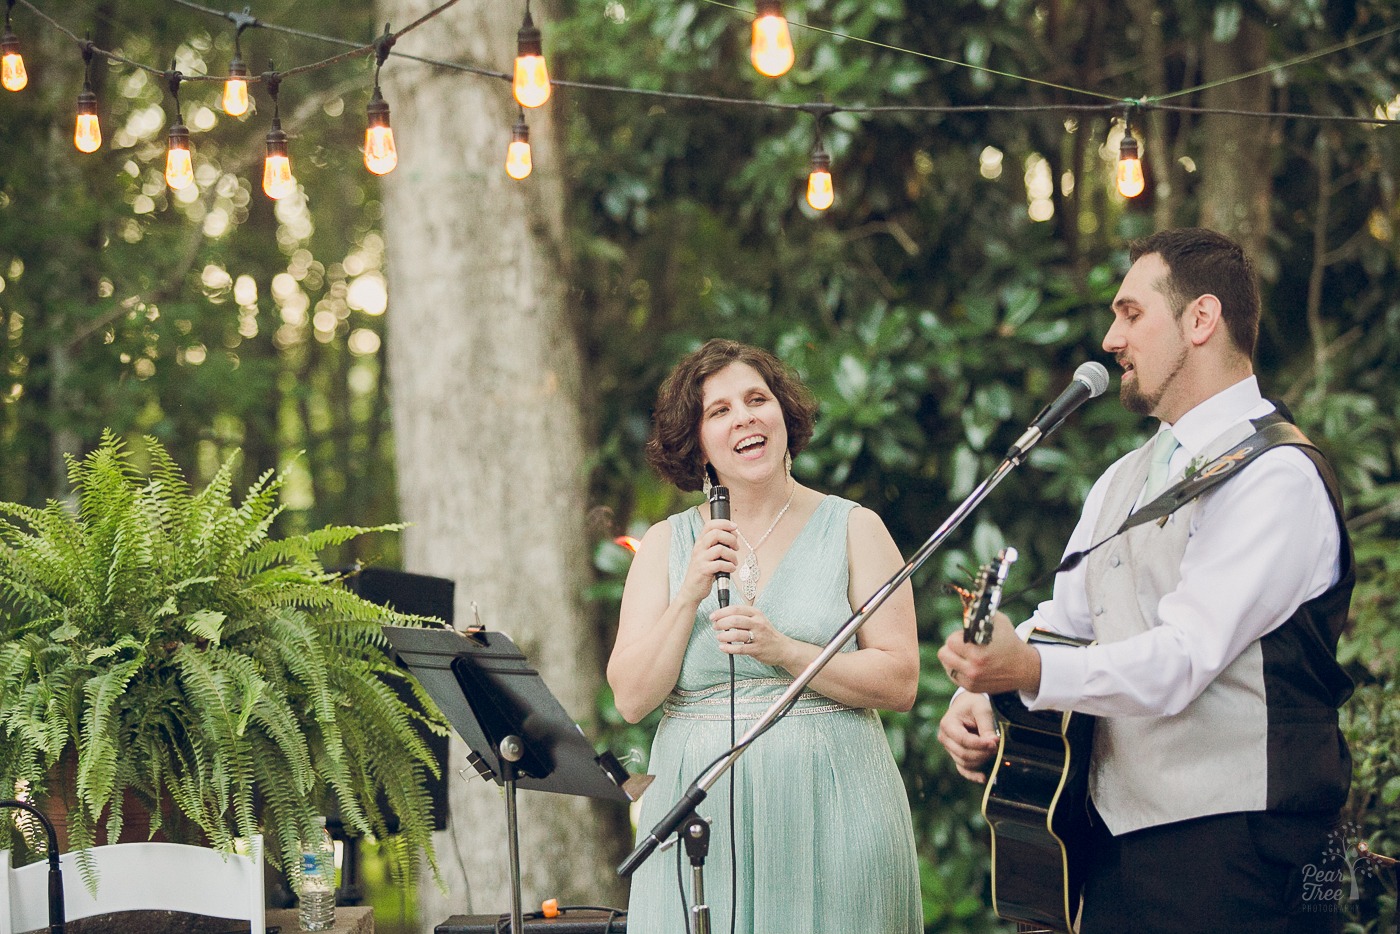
(825, 843)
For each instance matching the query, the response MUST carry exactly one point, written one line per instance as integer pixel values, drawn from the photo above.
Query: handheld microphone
(719, 509)
(1090, 380)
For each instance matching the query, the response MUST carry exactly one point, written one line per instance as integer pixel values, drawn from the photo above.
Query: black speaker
(569, 921)
(419, 595)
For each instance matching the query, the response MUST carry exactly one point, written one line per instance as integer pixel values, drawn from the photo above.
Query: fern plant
(157, 641)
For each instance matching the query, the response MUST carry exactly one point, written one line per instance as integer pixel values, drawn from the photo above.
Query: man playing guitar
(1218, 769)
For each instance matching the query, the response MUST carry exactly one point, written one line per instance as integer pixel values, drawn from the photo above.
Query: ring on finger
(750, 638)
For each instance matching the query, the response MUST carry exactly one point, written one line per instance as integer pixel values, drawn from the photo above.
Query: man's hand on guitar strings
(968, 732)
(1005, 664)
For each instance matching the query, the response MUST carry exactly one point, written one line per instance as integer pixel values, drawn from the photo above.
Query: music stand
(516, 729)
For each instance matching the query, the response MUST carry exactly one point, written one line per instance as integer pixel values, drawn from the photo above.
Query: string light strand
(381, 157)
(925, 55)
(1279, 66)
(355, 49)
(1143, 103)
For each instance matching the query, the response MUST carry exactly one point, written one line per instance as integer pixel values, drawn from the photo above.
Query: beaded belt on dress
(753, 696)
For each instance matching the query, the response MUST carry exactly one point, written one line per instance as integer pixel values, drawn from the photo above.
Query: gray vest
(1212, 758)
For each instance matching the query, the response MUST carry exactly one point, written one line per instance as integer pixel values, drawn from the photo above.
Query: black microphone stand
(699, 788)
(57, 922)
(696, 835)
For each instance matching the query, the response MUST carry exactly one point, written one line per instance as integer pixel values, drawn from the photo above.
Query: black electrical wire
(355, 50)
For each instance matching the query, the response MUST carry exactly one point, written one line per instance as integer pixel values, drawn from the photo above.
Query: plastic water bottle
(317, 893)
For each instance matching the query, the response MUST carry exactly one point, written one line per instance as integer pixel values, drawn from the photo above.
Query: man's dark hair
(1203, 262)
(674, 447)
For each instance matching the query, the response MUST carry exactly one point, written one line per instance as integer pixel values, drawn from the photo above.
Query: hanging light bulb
(13, 77)
(87, 132)
(381, 155)
(277, 167)
(1130, 178)
(236, 88)
(820, 191)
(531, 75)
(179, 160)
(518, 161)
(771, 51)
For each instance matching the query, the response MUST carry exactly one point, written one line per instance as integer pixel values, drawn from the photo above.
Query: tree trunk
(1165, 173)
(485, 382)
(1235, 151)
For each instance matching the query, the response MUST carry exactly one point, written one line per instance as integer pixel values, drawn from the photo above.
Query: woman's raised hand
(714, 551)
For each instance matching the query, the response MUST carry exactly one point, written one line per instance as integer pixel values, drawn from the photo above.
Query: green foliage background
(928, 311)
(932, 316)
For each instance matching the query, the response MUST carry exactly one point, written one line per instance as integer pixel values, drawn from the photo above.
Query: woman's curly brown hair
(674, 447)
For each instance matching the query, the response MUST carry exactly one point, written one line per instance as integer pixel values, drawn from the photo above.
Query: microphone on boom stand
(1090, 380)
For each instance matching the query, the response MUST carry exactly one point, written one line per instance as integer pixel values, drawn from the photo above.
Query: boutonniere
(1194, 467)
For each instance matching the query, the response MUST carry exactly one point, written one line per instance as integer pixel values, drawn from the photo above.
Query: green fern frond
(305, 547)
(164, 642)
(98, 748)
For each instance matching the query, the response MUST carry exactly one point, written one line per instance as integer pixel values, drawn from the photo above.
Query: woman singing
(824, 839)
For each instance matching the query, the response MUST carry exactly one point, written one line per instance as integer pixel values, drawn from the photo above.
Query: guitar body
(1036, 805)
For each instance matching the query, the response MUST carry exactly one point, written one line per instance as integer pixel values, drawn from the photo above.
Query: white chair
(139, 877)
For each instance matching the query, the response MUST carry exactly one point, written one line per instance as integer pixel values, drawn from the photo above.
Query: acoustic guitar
(1036, 802)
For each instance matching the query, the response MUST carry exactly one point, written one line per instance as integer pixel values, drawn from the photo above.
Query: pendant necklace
(748, 571)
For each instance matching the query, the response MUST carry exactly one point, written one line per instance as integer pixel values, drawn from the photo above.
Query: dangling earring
(787, 463)
(705, 481)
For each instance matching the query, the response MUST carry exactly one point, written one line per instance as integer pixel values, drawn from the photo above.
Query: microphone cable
(733, 823)
(723, 597)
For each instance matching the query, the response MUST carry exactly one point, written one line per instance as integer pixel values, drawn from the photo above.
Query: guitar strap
(1271, 431)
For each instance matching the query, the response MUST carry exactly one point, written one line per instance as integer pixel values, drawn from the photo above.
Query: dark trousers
(1241, 873)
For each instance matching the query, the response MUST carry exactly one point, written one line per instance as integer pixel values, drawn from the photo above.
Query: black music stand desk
(516, 729)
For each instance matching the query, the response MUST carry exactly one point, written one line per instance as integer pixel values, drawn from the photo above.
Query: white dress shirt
(1260, 545)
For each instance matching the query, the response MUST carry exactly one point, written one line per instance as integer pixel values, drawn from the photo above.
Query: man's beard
(1138, 402)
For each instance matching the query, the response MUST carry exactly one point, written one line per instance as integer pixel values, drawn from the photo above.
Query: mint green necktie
(1163, 448)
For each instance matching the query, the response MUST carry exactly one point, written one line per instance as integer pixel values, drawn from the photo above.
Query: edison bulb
(1130, 178)
(821, 193)
(277, 167)
(87, 131)
(519, 164)
(771, 51)
(179, 161)
(531, 83)
(381, 155)
(236, 89)
(277, 176)
(531, 80)
(13, 76)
